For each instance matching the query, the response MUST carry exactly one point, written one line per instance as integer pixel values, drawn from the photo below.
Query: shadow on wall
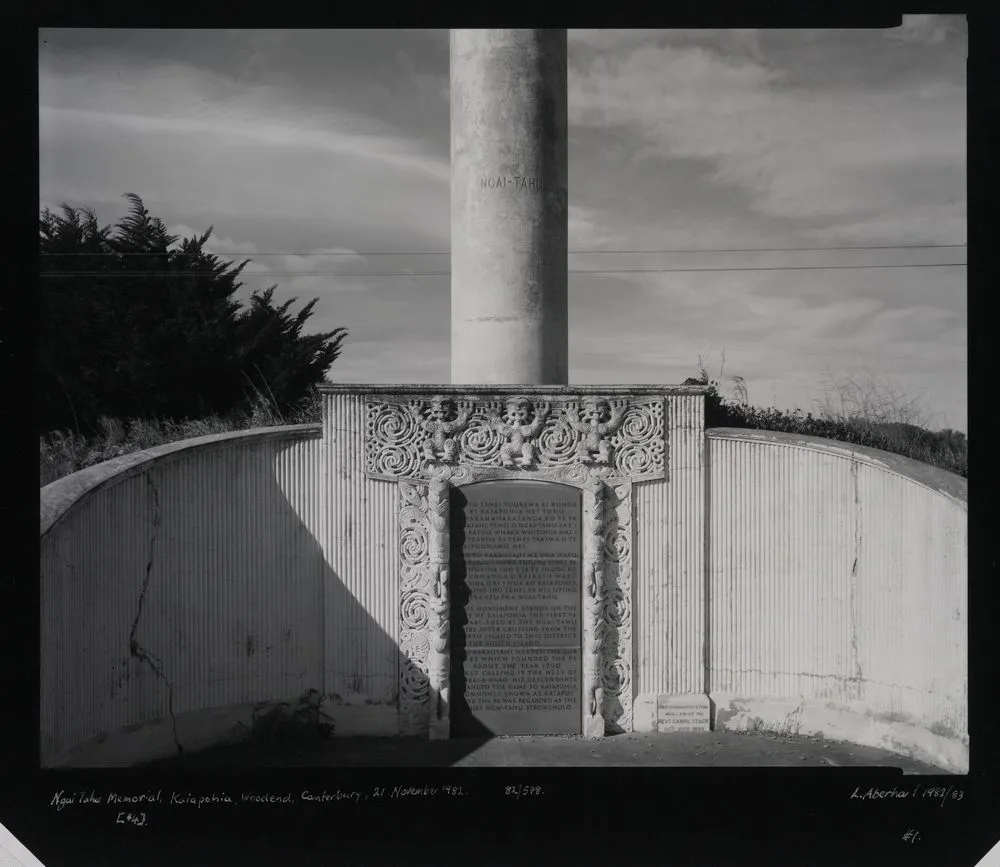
(184, 589)
(462, 718)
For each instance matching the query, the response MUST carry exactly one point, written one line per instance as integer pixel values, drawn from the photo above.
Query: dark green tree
(133, 325)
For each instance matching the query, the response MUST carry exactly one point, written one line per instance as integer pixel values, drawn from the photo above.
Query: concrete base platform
(682, 749)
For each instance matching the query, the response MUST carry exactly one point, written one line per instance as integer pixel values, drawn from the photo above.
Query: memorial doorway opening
(516, 618)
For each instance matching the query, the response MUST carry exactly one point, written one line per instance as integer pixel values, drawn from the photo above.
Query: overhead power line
(300, 273)
(572, 252)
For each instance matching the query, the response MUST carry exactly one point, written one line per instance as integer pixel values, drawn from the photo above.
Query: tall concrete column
(508, 207)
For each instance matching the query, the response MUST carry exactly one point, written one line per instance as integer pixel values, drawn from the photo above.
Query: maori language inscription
(517, 557)
(514, 182)
(523, 602)
(519, 527)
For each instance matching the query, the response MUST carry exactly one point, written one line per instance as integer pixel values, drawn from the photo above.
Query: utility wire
(572, 252)
(134, 274)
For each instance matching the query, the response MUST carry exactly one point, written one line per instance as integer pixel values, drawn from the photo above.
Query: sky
(320, 151)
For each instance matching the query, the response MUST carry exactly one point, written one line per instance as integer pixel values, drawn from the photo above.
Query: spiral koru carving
(639, 443)
(413, 547)
(413, 682)
(413, 609)
(396, 461)
(557, 443)
(392, 441)
(392, 425)
(480, 443)
(641, 424)
(616, 608)
(634, 459)
(617, 545)
(616, 675)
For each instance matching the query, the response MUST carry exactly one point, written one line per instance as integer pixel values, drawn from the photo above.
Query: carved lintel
(514, 437)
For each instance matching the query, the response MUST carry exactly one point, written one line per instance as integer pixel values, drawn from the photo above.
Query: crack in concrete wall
(839, 678)
(135, 648)
(858, 673)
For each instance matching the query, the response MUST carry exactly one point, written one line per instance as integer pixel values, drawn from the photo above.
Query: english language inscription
(673, 715)
(523, 680)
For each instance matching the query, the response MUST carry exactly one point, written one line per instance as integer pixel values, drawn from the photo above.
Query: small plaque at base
(683, 713)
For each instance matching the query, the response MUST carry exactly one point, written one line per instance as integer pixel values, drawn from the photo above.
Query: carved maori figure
(596, 421)
(441, 421)
(593, 638)
(439, 625)
(437, 517)
(521, 422)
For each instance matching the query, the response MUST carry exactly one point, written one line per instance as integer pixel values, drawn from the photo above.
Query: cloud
(586, 231)
(320, 285)
(215, 243)
(174, 97)
(335, 142)
(287, 135)
(179, 133)
(380, 361)
(329, 258)
(794, 154)
(944, 223)
(928, 29)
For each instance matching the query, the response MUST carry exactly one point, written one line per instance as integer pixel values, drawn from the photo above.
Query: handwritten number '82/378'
(522, 791)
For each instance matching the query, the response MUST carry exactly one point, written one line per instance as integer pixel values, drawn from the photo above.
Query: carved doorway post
(439, 617)
(593, 607)
(425, 628)
(429, 443)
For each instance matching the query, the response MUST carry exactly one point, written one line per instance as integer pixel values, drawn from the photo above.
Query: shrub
(133, 324)
(946, 449)
(288, 725)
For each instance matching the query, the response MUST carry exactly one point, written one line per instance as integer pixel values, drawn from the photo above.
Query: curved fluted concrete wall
(211, 574)
(178, 579)
(837, 593)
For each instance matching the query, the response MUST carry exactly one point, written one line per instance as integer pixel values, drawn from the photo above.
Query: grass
(284, 724)
(65, 452)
